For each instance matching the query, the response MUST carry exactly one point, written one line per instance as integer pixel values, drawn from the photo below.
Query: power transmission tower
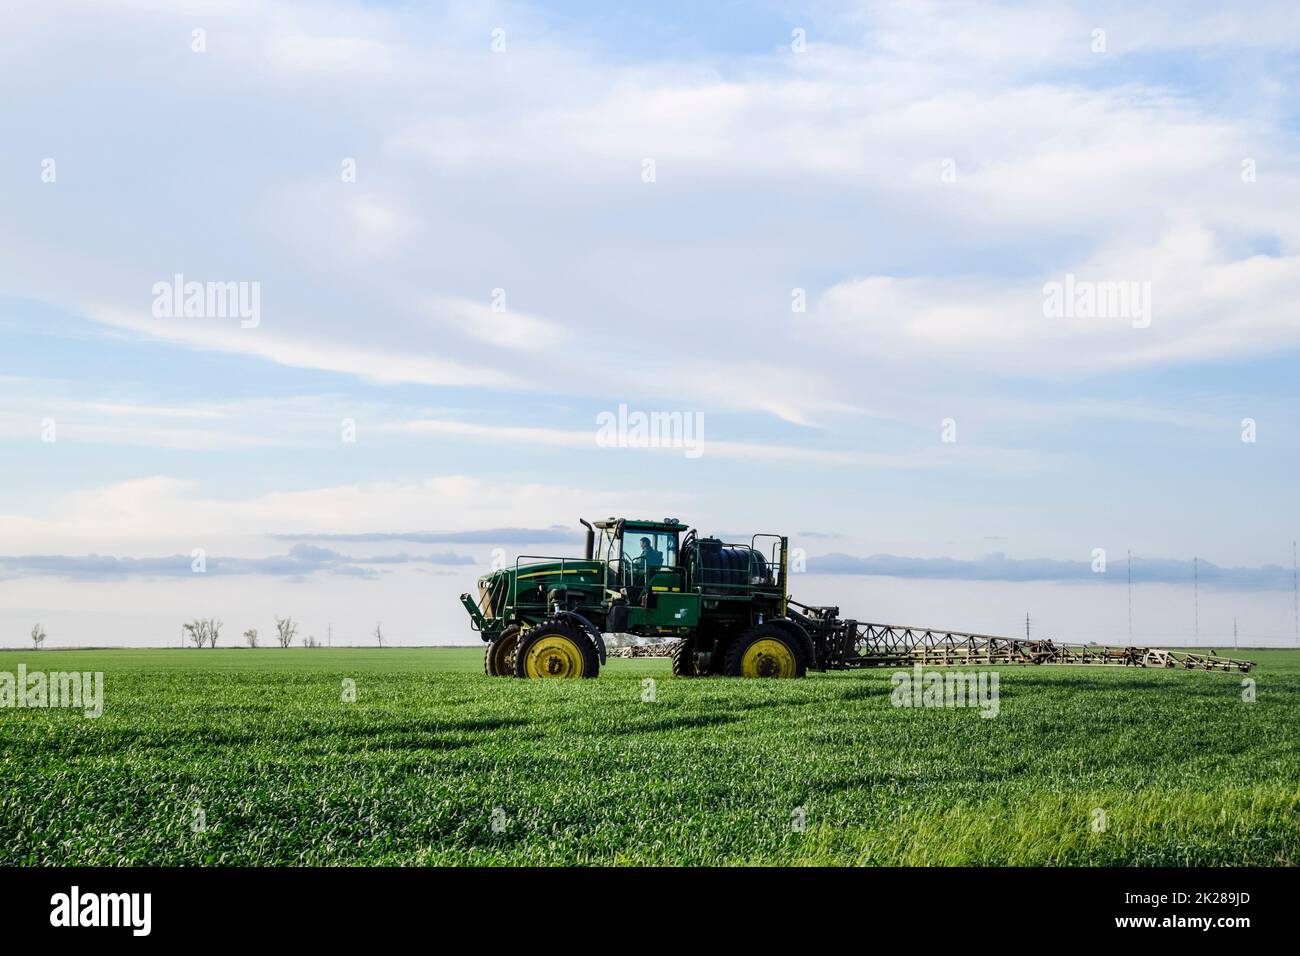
(1026, 625)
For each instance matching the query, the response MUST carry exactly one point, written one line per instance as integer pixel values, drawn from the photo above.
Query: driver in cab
(649, 559)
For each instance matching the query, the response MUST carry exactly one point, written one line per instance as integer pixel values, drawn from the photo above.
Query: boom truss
(844, 644)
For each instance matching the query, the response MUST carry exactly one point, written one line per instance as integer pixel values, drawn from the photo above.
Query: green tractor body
(647, 578)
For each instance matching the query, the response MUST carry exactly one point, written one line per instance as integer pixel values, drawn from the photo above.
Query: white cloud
(924, 458)
(1203, 306)
(509, 328)
(165, 515)
(522, 171)
(374, 364)
(301, 421)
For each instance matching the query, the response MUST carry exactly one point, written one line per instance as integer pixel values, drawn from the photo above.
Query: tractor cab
(642, 556)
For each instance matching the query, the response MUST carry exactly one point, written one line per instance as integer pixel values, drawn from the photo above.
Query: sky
(992, 309)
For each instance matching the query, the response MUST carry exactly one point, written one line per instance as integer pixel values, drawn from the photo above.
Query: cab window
(607, 545)
(649, 550)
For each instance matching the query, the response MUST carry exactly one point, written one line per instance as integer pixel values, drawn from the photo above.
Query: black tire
(683, 657)
(499, 658)
(734, 666)
(587, 662)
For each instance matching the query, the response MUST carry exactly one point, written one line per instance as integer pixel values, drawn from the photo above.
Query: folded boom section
(848, 643)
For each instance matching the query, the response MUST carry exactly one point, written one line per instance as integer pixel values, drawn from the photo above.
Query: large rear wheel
(499, 658)
(765, 651)
(556, 649)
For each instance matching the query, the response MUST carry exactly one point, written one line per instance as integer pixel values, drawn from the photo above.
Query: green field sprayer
(724, 609)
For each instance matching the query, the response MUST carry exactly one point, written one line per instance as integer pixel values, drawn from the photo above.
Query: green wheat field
(224, 757)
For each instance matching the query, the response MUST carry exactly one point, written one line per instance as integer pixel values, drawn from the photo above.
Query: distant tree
(285, 629)
(310, 641)
(38, 636)
(250, 636)
(379, 635)
(203, 633)
(197, 631)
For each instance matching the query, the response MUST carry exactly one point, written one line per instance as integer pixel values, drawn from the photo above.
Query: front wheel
(765, 651)
(683, 657)
(499, 658)
(556, 650)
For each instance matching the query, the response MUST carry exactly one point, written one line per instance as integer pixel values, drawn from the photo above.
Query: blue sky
(919, 171)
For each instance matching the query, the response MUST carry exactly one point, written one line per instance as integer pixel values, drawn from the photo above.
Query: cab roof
(641, 524)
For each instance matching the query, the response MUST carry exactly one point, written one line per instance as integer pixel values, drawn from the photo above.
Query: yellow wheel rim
(553, 655)
(768, 658)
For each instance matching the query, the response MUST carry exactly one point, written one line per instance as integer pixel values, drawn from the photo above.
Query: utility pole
(1196, 596)
(1234, 633)
(1130, 598)
(329, 635)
